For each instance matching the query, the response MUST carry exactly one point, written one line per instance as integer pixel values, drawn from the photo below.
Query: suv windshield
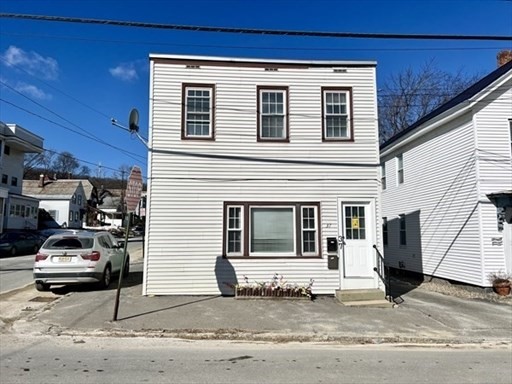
(69, 243)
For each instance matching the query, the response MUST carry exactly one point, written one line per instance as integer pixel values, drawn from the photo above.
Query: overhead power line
(253, 47)
(253, 31)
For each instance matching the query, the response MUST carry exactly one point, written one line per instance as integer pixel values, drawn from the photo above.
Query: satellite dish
(134, 120)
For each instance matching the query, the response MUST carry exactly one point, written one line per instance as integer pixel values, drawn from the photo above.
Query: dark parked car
(17, 243)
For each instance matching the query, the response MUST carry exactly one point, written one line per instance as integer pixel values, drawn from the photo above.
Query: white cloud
(32, 91)
(32, 62)
(125, 72)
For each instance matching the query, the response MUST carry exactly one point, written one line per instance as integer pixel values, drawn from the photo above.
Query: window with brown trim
(271, 229)
(337, 114)
(272, 113)
(198, 102)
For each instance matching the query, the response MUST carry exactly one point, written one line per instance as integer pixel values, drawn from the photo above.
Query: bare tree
(411, 94)
(85, 171)
(65, 164)
(38, 162)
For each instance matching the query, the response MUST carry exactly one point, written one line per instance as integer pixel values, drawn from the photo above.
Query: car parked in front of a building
(79, 257)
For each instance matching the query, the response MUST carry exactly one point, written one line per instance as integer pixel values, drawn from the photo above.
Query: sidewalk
(424, 317)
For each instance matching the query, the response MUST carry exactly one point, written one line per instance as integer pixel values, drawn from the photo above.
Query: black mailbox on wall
(332, 245)
(333, 262)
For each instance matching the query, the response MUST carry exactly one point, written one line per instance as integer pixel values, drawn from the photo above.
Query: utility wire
(253, 31)
(139, 42)
(68, 128)
(54, 88)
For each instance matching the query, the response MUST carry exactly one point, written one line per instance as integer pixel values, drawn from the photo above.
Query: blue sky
(62, 77)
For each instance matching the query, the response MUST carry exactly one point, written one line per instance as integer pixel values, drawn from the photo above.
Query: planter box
(269, 293)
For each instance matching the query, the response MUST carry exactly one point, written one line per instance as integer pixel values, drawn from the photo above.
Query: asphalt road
(41, 359)
(16, 272)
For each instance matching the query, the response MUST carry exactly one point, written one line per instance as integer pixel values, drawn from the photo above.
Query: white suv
(79, 257)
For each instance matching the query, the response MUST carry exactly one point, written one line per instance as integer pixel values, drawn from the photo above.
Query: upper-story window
(383, 176)
(79, 199)
(198, 116)
(5, 178)
(336, 114)
(14, 181)
(272, 113)
(7, 150)
(73, 198)
(400, 168)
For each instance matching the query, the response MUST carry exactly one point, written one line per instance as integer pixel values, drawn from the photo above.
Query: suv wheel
(106, 278)
(42, 287)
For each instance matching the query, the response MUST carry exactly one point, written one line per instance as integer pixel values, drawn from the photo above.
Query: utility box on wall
(333, 262)
(332, 245)
(332, 250)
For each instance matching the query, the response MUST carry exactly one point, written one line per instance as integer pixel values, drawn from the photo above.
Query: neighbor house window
(383, 176)
(403, 233)
(7, 150)
(73, 199)
(510, 129)
(271, 229)
(336, 111)
(79, 199)
(385, 230)
(14, 181)
(400, 168)
(273, 114)
(77, 218)
(71, 216)
(198, 116)
(5, 178)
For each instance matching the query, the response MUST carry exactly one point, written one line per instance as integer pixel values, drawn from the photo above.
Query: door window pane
(355, 223)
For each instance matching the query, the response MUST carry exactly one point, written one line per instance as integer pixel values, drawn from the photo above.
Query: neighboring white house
(447, 186)
(254, 165)
(64, 200)
(16, 210)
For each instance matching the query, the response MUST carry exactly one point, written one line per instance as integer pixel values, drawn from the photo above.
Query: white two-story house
(17, 211)
(259, 167)
(447, 187)
(65, 200)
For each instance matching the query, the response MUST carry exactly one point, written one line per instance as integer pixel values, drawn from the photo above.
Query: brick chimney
(41, 180)
(504, 57)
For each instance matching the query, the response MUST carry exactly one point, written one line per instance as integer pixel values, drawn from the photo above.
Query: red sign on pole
(133, 189)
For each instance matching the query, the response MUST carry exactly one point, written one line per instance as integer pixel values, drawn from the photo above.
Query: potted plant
(501, 282)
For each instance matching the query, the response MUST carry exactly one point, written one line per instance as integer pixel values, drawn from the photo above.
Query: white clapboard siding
(186, 193)
(492, 119)
(449, 170)
(439, 199)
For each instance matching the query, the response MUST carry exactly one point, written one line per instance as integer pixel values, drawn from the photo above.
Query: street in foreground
(44, 359)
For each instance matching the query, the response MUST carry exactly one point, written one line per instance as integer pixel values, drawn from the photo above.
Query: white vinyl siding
(451, 224)
(186, 194)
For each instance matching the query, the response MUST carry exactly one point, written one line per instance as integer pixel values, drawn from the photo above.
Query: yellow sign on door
(355, 223)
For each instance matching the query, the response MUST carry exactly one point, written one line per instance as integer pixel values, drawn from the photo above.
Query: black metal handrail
(382, 271)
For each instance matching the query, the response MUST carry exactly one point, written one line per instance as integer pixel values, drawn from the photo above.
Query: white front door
(358, 239)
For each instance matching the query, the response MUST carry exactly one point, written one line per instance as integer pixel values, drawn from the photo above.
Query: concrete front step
(349, 295)
(369, 303)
